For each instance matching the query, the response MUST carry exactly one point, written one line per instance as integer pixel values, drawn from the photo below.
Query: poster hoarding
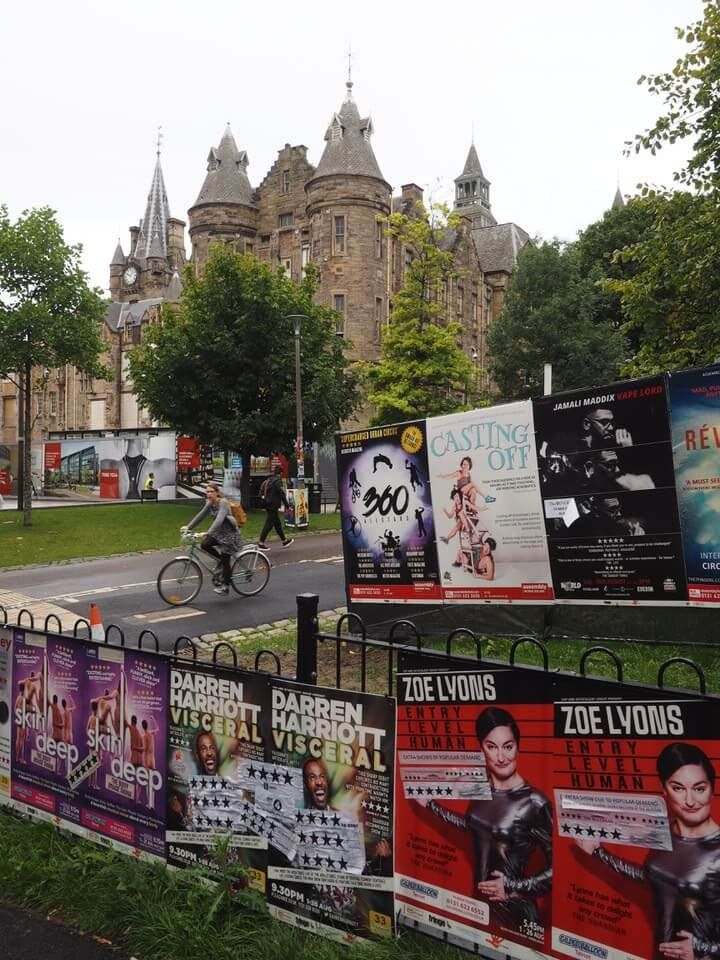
(607, 482)
(488, 513)
(6, 702)
(695, 414)
(330, 776)
(388, 524)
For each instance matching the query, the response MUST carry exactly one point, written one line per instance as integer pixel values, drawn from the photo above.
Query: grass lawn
(67, 533)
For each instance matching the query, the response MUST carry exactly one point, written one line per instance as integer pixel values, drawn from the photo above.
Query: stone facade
(298, 213)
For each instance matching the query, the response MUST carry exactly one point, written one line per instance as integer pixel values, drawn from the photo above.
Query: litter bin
(314, 497)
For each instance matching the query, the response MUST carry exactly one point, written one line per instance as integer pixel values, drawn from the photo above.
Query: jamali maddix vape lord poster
(214, 743)
(388, 527)
(488, 512)
(695, 413)
(330, 786)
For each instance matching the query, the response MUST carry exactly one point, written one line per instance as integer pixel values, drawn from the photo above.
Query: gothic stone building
(327, 214)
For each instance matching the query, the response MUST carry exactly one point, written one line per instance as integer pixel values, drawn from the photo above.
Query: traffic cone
(97, 630)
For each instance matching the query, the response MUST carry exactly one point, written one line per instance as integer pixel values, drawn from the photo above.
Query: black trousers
(208, 544)
(272, 520)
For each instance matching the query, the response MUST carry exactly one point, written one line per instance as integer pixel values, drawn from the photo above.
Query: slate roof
(226, 180)
(118, 259)
(119, 315)
(618, 201)
(152, 237)
(348, 148)
(472, 165)
(498, 247)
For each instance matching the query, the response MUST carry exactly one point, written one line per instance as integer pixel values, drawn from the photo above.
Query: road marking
(160, 615)
(73, 596)
(336, 559)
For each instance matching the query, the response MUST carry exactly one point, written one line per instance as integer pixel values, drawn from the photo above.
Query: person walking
(274, 496)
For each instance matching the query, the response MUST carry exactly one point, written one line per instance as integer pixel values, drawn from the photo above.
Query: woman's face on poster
(689, 795)
(501, 753)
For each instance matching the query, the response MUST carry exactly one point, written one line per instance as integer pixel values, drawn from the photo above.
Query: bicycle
(181, 579)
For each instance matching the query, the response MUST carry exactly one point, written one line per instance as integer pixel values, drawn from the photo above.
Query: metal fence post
(306, 642)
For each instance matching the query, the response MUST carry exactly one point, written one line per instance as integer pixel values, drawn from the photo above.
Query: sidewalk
(27, 936)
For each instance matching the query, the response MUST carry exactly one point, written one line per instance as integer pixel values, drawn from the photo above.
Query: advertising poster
(49, 751)
(6, 704)
(330, 789)
(607, 480)
(388, 526)
(695, 414)
(296, 512)
(474, 808)
(214, 739)
(125, 728)
(637, 829)
(488, 513)
(8, 469)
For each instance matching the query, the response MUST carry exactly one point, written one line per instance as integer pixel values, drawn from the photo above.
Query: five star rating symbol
(82, 771)
(579, 831)
(276, 774)
(428, 791)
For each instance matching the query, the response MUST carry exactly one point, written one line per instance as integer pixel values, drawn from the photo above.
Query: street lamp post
(296, 318)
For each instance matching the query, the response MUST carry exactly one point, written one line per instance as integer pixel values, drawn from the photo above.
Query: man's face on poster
(317, 784)
(610, 507)
(608, 464)
(207, 753)
(600, 427)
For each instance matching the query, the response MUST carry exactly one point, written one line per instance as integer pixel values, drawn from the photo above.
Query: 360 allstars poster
(474, 808)
(607, 481)
(695, 412)
(636, 844)
(215, 745)
(329, 780)
(388, 527)
(488, 512)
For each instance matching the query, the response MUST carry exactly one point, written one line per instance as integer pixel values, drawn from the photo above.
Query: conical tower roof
(118, 259)
(226, 180)
(348, 149)
(174, 290)
(152, 238)
(618, 200)
(472, 167)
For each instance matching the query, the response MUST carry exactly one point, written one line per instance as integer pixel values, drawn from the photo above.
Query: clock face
(130, 276)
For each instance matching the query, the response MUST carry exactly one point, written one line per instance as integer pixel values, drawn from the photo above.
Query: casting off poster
(607, 480)
(488, 512)
(215, 745)
(388, 526)
(695, 411)
(330, 785)
(474, 808)
(637, 830)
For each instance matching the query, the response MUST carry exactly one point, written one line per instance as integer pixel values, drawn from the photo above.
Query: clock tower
(156, 253)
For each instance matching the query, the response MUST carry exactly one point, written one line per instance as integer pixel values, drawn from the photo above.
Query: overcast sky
(549, 86)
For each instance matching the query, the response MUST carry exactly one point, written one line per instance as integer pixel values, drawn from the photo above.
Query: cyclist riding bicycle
(224, 538)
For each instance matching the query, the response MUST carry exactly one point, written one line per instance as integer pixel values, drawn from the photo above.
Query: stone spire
(472, 191)
(152, 236)
(618, 201)
(348, 149)
(118, 259)
(227, 179)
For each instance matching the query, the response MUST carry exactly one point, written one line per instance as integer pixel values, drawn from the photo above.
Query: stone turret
(472, 192)
(345, 196)
(225, 210)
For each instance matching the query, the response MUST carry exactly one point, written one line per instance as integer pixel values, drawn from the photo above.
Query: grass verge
(159, 914)
(70, 533)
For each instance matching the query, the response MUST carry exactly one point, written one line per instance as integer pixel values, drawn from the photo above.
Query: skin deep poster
(488, 513)
(474, 808)
(606, 472)
(388, 527)
(695, 413)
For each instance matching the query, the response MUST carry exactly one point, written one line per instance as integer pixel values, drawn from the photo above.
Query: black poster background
(611, 515)
(387, 517)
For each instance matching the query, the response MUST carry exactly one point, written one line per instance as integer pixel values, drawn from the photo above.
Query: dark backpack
(265, 492)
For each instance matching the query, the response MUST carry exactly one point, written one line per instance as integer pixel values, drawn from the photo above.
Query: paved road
(28, 936)
(125, 590)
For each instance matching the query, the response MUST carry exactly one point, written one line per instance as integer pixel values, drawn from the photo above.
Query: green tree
(548, 317)
(422, 369)
(222, 366)
(671, 301)
(49, 316)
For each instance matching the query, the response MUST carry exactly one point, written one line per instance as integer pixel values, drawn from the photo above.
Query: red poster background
(52, 456)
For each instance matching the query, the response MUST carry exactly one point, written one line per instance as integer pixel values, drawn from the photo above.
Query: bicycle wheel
(179, 581)
(250, 573)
